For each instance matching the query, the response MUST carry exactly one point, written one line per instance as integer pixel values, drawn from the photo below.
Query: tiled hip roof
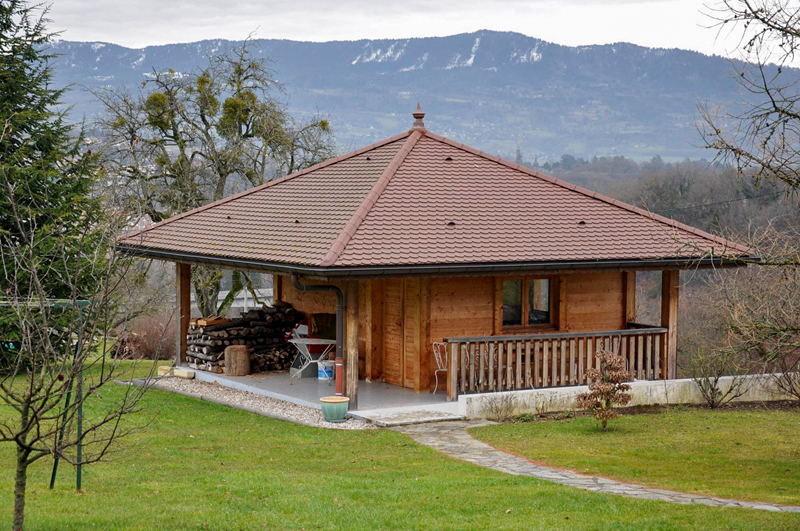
(420, 199)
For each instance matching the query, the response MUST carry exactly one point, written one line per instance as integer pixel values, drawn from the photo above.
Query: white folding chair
(440, 353)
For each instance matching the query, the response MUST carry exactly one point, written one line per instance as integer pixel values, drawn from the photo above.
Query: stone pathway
(451, 438)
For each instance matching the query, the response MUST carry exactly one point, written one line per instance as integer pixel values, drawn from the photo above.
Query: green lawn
(747, 455)
(203, 466)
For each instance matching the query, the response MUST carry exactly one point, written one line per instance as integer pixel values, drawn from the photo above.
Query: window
(512, 303)
(526, 302)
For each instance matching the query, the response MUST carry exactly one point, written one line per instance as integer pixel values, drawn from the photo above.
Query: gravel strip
(261, 405)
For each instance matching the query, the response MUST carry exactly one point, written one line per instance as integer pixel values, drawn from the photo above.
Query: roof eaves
(369, 201)
(139, 232)
(596, 195)
(374, 271)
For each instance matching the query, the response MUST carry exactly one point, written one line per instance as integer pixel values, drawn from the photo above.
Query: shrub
(500, 406)
(608, 387)
(707, 367)
(150, 337)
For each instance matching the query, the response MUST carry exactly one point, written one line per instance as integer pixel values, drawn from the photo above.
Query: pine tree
(46, 171)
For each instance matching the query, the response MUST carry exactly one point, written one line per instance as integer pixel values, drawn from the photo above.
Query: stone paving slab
(403, 418)
(413, 414)
(452, 438)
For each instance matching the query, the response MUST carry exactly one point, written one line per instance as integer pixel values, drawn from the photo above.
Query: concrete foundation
(759, 388)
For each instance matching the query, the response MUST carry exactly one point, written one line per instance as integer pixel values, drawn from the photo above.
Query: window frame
(524, 327)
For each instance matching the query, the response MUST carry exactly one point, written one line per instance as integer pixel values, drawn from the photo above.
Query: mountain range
(493, 90)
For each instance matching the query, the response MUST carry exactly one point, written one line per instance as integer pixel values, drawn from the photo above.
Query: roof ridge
(264, 186)
(594, 195)
(369, 201)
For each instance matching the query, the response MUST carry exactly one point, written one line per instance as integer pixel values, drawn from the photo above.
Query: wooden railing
(505, 363)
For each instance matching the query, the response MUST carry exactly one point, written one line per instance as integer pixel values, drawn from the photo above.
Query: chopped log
(206, 357)
(261, 332)
(212, 320)
(205, 342)
(237, 361)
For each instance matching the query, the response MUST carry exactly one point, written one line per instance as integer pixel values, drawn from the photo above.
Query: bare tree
(760, 131)
(56, 367)
(708, 368)
(761, 309)
(185, 139)
(60, 348)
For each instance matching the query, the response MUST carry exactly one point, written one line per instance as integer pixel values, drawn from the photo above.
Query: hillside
(490, 89)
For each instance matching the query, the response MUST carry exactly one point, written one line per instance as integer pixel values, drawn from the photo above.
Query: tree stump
(237, 360)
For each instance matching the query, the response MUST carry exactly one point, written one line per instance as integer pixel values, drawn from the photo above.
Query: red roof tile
(417, 199)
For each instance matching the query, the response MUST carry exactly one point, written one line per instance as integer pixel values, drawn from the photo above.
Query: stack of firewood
(262, 331)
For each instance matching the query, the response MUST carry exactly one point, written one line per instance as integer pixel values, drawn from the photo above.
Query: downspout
(339, 325)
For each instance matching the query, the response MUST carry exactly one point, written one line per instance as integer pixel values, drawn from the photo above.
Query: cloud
(658, 23)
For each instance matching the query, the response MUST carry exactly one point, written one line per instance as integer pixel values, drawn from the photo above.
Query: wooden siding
(400, 318)
(393, 331)
(306, 302)
(411, 335)
(594, 302)
(374, 341)
(460, 307)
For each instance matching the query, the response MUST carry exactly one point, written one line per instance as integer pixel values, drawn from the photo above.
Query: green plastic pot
(334, 408)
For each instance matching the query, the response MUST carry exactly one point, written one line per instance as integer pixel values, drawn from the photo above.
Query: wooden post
(669, 320)
(351, 342)
(629, 295)
(183, 310)
(452, 371)
(277, 288)
(497, 302)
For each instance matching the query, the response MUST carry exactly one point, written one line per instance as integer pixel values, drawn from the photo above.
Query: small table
(306, 358)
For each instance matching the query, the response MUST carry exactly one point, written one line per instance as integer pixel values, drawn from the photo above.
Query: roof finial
(418, 115)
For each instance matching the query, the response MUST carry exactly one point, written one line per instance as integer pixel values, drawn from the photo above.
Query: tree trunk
(19, 490)
(206, 283)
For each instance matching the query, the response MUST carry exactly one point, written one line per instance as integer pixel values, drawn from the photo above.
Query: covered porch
(390, 324)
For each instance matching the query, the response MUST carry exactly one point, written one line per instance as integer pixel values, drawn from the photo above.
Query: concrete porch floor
(383, 404)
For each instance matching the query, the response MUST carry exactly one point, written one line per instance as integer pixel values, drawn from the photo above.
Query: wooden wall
(306, 302)
(460, 306)
(594, 301)
(432, 309)
(325, 302)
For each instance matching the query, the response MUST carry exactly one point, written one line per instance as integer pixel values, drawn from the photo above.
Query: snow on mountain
(494, 90)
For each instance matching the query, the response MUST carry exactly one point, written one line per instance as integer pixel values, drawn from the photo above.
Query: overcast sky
(137, 23)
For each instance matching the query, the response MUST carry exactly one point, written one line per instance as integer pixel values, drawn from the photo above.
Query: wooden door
(393, 359)
(401, 336)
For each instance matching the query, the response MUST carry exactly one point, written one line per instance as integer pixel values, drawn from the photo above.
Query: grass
(746, 455)
(204, 466)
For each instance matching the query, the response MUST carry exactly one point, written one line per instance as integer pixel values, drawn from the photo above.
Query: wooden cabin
(522, 276)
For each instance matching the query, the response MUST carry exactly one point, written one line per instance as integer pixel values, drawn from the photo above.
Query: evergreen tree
(47, 171)
(54, 244)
